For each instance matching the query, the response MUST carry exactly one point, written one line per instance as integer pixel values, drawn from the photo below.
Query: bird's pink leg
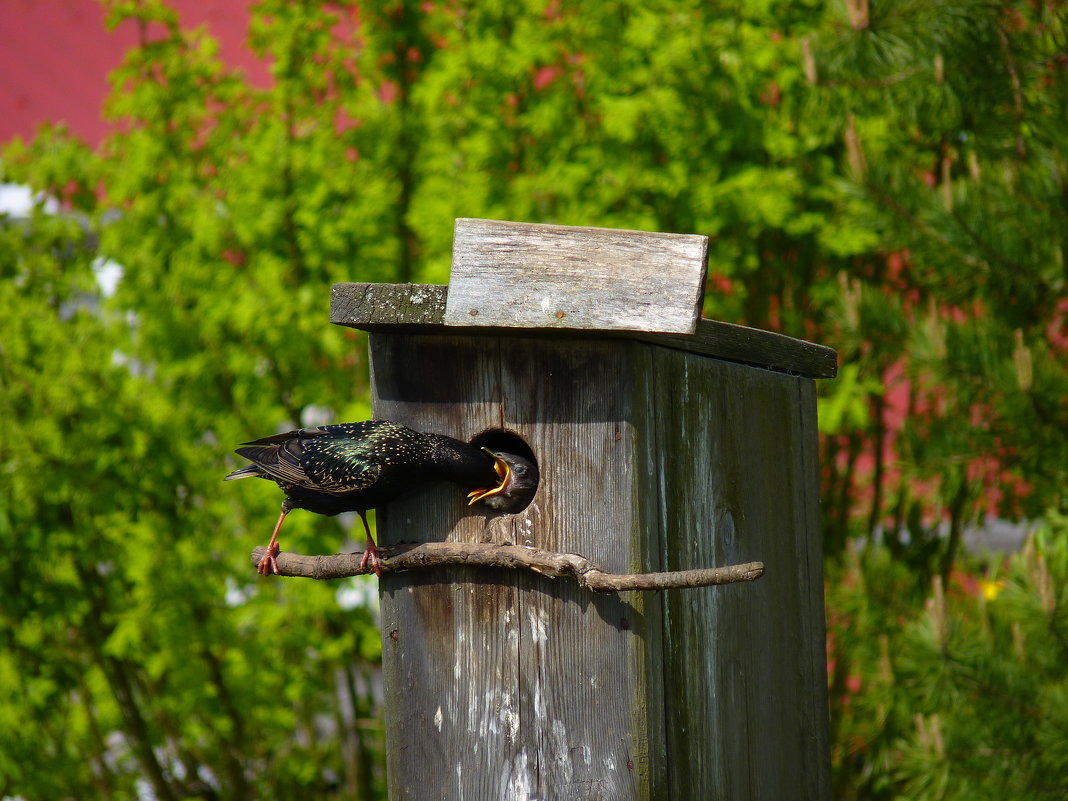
(268, 564)
(371, 554)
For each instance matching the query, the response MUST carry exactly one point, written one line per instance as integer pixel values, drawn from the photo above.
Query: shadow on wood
(503, 685)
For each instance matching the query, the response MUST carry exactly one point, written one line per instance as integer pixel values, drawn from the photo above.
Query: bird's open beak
(504, 474)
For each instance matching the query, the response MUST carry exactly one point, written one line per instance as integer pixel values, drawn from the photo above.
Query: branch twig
(397, 558)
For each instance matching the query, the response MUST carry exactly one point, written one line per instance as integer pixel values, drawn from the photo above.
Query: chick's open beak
(504, 476)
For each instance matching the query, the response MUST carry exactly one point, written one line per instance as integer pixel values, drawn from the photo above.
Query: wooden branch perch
(397, 558)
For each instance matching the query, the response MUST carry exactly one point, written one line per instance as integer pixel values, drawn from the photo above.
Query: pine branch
(398, 558)
(874, 83)
(887, 200)
(1017, 92)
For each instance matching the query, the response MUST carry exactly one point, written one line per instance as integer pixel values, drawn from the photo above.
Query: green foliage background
(888, 180)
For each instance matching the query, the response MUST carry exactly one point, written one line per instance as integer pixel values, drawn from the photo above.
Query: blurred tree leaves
(140, 649)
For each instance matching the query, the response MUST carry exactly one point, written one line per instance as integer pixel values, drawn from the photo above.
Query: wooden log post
(664, 442)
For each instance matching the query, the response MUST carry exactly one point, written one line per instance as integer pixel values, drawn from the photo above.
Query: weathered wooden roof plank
(421, 308)
(531, 275)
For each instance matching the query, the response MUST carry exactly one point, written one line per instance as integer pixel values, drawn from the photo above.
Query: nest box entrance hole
(501, 441)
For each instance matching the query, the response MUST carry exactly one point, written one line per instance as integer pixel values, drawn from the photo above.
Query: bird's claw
(370, 556)
(269, 564)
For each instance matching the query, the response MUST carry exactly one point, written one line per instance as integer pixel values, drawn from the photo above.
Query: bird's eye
(520, 470)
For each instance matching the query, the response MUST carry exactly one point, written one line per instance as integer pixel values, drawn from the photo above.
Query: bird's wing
(339, 465)
(289, 436)
(309, 460)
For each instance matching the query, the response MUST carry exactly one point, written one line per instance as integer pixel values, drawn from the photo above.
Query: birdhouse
(664, 442)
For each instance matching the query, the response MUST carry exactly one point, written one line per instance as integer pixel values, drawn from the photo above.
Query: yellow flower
(991, 588)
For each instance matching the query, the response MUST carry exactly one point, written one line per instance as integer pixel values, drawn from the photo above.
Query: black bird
(353, 467)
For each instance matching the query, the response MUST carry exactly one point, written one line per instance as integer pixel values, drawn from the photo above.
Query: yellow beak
(504, 473)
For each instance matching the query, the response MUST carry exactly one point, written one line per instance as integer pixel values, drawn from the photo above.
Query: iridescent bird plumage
(354, 467)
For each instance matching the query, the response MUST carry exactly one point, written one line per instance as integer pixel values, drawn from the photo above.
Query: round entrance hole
(523, 475)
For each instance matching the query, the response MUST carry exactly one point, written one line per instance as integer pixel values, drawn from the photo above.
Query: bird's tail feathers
(248, 471)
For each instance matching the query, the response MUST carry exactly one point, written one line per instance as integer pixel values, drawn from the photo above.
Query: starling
(353, 467)
(517, 479)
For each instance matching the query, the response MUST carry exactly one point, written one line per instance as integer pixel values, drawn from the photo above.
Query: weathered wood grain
(450, 649)
(391, 308)
(753, 346)
(388, 304)
(506, 685)
(482, 711)
(735, 451)
(527, 275)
